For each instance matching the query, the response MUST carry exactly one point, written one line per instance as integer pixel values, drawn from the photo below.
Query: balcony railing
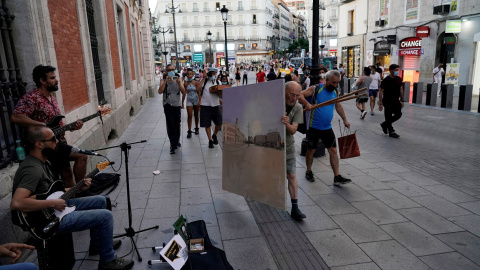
(254, 38)
(195, 10)
(240, 9)
(207, 23)
(185, 24)
(206, 10)
(218, 23)
(333, 17)
(196, 24)
(254, 22)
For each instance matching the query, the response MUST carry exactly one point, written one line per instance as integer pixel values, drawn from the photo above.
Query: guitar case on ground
(100, 183)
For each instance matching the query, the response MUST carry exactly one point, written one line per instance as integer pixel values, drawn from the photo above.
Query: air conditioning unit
(442, 9)
(380, 22)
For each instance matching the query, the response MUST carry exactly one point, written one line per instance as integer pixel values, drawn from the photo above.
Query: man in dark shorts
(210, 107)
(39, 107)
(320, 126)
(391, 96)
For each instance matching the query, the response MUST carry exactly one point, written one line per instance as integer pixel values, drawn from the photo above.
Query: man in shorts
(210, 107)
(373, 89)
(293, 116)
(320, 126)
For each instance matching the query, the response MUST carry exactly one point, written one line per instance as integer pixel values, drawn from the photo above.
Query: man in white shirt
(373, 88)
(210, 107)
(437, 77)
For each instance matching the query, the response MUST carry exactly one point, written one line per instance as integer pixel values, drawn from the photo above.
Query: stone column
(406, 91)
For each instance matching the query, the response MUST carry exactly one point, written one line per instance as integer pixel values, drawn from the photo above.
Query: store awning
(381, 52)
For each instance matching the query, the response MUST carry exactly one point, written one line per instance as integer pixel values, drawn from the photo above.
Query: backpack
(100, 183)
(318, 88)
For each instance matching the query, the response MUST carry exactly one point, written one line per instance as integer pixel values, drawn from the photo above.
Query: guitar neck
(71, 125)
(75, 189)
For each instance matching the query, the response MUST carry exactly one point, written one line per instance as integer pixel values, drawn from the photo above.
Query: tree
(302, 43)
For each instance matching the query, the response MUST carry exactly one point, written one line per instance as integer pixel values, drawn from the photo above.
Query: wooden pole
(343, 98)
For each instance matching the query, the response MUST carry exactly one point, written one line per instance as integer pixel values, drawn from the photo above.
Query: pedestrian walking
(245, 77)
(260, 76)
(373, 89)
(363, 82)
(192, 89)
(341, 70)
(271, 75)
(437, 77)
(171, 86)
(292, 118)
(391, 97)
(320, 126)
(237, 76)
(210, 108)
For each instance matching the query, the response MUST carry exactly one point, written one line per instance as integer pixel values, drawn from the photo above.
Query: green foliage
(302, 43)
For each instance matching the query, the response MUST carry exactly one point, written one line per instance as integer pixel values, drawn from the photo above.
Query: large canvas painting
(254, 142)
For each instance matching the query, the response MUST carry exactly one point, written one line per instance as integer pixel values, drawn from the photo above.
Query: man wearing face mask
(37, 108)
(391, 96)
(320, 126)
(171, 87)
(210, 107)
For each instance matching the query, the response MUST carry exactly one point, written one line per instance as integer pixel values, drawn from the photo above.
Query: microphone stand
(129, 232)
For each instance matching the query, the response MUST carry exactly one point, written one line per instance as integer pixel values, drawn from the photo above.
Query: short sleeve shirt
(38, 107)
(322, 117)
(33, 175)
(295, 116)
(261, 76)
(391, 88)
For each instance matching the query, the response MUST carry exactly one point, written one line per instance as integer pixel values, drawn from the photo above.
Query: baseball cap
(283, 74)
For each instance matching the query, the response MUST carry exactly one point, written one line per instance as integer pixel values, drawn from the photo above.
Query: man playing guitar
(39, 107)
(34, 177)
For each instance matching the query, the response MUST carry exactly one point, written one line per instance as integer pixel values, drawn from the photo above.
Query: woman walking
(192, 88)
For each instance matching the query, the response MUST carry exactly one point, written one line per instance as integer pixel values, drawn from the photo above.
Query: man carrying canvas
(293, 116)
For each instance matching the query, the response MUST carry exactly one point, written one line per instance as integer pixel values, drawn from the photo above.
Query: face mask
(395, 73)
(331, 88)
(224, 83)
(171, 73)
(212, 78)
(189, 80)
(322, 75)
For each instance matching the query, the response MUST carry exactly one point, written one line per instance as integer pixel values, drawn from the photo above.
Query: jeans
(173, 119)
(19, 266)
(245, 80)
(90, 213)
(393, 112)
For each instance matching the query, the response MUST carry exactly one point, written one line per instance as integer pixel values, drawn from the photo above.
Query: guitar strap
(48, 170)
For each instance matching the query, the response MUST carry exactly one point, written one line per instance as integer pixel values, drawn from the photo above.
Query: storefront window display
(351, 59)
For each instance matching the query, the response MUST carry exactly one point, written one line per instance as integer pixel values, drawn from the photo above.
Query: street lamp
(328, 26)
(224, 12)
(209, 37)
(172, 10)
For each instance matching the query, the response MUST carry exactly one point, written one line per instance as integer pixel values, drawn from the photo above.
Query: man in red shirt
(260, 76)
(39, 107)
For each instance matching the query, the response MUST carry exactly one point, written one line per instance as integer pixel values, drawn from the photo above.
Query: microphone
(85, 152)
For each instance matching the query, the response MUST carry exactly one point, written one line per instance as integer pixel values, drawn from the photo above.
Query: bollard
(417, 92)
(431, 94)
(345, 85)
(350, 82)
(406, 92)
(447, 96)
(465, 97)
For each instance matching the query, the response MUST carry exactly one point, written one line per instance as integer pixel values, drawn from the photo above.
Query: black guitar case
(214, 258)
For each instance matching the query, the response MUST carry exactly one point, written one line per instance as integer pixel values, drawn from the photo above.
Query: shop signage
(423, 31)
(449, 40)
(391, 39)
(453, 26)
(381, 48)
(198, 57)
(410, 46)
(220, 54)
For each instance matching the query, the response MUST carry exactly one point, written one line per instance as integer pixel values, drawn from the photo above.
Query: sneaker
(197, 131)
(116, 264)
(297, 214)
(172, 150)
(214, 138)
(179, 145)
(384, 128)
(210, 144)
(189, 134)
(309, 176)
(340, 180)
(363, 115)
(372, 113)
(93, 250)
(394, 135)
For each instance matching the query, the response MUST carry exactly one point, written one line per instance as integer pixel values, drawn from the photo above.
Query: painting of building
(253, 149)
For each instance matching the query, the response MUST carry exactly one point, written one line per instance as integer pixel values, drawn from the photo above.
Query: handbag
(348, 144)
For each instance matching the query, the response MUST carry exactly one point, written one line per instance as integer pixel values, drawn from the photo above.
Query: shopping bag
(348, 144)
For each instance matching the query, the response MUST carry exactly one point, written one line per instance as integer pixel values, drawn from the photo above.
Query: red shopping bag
(348, 145)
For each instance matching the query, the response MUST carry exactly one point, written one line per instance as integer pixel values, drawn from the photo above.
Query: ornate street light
(174, 32)
(209, 37)
(224, 12)
(328, 26)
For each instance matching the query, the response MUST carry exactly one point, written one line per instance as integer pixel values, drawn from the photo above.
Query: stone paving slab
(429, 221)
(465, 243)
(360, 229)
(378, 212)
(449, 261)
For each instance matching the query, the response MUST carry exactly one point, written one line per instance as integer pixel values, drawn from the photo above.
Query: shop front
(252, 56)
(409, 53)
(351, 58)
(381, 54)
(220, 59)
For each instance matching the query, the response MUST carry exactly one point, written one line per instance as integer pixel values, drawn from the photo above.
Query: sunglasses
(53, 139)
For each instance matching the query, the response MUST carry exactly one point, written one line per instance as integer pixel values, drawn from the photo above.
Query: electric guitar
(43, 224)
(57, 129)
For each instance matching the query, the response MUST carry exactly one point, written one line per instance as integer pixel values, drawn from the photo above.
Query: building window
(205, 7)
(240, 5)
(351, 19)
(184, 7)
(218, 6)
(241, 46)
(254, 46)
(186, 48)
(195, 7)
(254, 19)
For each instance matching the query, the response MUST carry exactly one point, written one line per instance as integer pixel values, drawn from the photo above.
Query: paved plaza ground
(414, 202)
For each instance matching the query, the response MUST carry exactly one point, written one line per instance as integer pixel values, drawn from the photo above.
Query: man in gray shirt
(171, 86)
(293, 116)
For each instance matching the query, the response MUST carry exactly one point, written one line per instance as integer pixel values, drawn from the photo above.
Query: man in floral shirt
(39, 107)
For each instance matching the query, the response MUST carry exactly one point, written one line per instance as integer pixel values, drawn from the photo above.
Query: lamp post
(172, 10)
(224, 12)
(209, 37)
(165, 52)
(328, 26)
